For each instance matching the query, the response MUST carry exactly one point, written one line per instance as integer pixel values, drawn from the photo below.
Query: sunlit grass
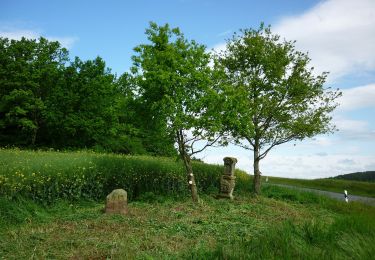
(292, 224)
(48, 176)
(353, 187)
(51, 208)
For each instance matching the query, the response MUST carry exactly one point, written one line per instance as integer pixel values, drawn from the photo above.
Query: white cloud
(219, 47)
(338, 34)
(307, 166)
(225, 33)
(315, 166)
(350, 129)
(357, 98)
(17, 34)
(321, 141)
(362, 97)
(66, 42)
(351, 126)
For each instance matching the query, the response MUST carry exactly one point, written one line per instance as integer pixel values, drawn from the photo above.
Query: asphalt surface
(334, 195)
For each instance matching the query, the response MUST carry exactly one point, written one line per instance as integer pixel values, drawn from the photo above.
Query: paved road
(335, 195)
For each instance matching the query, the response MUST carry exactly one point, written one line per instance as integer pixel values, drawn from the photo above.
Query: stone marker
(117, 202)
(227, 180)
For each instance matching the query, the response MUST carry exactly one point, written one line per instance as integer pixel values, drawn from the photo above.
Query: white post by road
(346, 196)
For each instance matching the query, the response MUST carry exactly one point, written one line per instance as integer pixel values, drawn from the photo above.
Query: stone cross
(227, 181)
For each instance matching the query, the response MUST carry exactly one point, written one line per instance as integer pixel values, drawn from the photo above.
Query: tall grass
(348, 232)
(48, 176)
(281, 224)
(311, 240)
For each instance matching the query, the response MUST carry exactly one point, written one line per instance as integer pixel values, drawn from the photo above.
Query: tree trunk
(256, 180)
(190, 177)
(33, 136)
(35, 130)
(188, 167)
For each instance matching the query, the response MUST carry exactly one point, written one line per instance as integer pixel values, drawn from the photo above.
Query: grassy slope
(353, 187)
(282, 224)
(358, 176)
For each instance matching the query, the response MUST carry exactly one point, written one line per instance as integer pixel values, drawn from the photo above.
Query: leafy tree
(23, 111)
(173, 79)
(28, 72)
(148, 133)
(84, 108)
(44, 101)
(271, 94)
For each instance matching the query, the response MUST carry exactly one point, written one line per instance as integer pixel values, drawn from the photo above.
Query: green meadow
(361, 188)
(51, 208)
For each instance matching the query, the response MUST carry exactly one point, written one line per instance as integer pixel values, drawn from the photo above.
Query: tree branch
(244, 146)
(208, 144)
(275, 143)
(194, 138)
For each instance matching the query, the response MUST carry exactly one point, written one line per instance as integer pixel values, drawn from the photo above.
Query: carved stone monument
(227, 180)
(117, 202)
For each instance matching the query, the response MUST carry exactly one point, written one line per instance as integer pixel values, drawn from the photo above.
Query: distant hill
(358, 176)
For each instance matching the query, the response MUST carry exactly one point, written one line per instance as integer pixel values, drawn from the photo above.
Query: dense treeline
(48, 100)
(358, 176)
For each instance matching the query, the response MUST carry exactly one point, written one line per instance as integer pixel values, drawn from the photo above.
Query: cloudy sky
(339, 36)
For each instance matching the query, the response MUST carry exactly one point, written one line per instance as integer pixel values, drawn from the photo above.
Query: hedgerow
(48, 176)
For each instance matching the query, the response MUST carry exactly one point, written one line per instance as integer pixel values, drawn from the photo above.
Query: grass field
(353, 187)
(49, 176)
(280, 224)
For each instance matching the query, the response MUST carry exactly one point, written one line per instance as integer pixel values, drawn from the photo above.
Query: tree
(46, 102)
(173, 80)
(84, 107)
(150, 134)
(28, 72)
(272, 94)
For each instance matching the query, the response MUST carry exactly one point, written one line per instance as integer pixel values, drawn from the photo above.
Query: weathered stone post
(117, 202)
(227, 180)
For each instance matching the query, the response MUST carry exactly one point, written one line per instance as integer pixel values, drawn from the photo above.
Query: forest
(51, 101)
(358, 176)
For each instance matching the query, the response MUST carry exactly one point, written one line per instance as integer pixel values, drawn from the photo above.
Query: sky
(339, 36)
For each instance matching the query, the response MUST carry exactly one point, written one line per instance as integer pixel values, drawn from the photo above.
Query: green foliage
(88, 106)
(46, 100)
(172, 76)
(174, 81)
(149, 134)
(46, 177)
(272, 93)
(175, 84)
(358, 176)
(276, 92)
(28, 72)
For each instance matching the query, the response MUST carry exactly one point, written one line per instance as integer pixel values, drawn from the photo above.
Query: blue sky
(338, 34)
